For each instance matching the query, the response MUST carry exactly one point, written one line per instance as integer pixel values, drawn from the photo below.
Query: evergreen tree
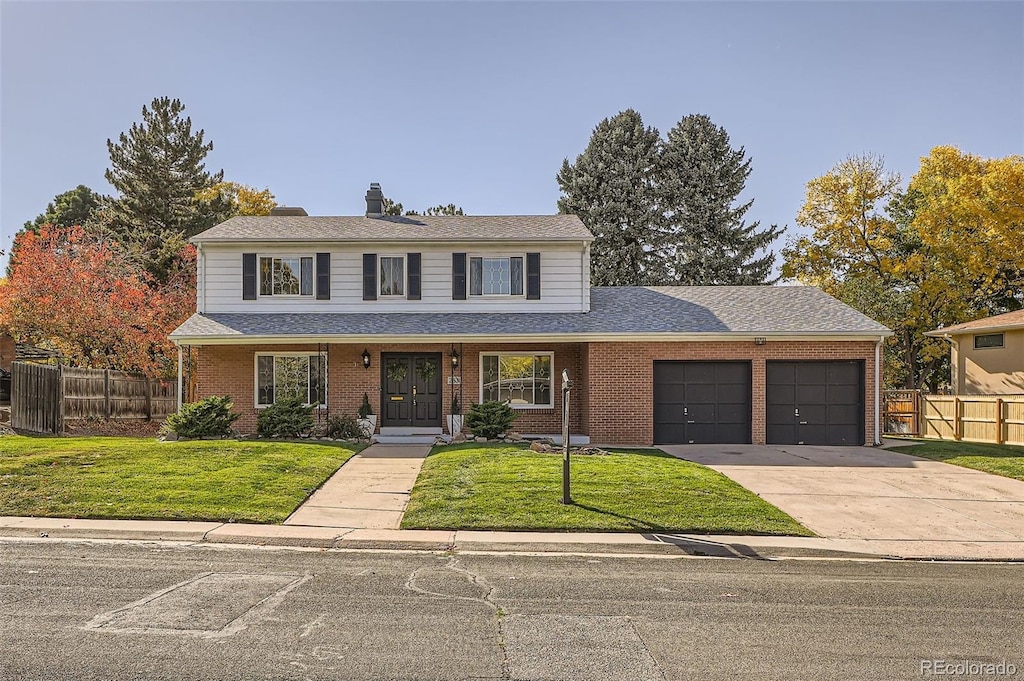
(76, 206)
(396, 209)
(706, 241)
(612, 187)
(158, 169)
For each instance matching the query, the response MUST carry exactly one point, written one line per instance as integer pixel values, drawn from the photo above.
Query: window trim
(1002, 341)
(537, 353)
(256, 375)
(494, 256)
(281, 256)
(405, 276)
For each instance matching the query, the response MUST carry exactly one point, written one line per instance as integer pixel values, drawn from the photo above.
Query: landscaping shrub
(490, 419)
(285, 418)
(209, 417)
(343, 427)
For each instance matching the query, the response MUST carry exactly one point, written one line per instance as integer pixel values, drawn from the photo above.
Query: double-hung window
(392, 275)
(522, 380)
(290, 275)
(496, 276)
(291, 374)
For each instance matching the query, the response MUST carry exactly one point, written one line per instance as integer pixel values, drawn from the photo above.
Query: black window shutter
(458, 276)
(248, 276)
(323, 276)
(369, 276)
(533, 276)
(413, 292)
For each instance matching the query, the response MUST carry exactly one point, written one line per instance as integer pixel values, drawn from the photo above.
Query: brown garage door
(815, 403)
(702, 402)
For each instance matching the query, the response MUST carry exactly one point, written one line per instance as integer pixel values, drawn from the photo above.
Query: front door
(412, 389)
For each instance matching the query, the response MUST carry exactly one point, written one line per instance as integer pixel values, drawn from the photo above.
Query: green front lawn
(120, 477)
(1005, 460)
(510, 487)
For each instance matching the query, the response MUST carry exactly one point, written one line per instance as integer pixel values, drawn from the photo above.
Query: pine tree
(158, 168)
(706, 241)
(612, 188)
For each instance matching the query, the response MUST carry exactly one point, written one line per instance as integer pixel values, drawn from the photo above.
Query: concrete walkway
(865, 493)
(370, 491)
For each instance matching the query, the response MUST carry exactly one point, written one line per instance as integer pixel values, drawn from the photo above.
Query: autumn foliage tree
(76, 294)
(946, 249)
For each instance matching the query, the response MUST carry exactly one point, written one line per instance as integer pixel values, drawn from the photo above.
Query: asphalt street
(95, 610)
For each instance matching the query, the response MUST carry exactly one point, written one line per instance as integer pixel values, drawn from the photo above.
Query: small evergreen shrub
(365, 409)
(343, 427)
(285, 418)
(490, 419)
(209, 417)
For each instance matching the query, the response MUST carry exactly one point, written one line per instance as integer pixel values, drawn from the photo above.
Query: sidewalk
(466, 541)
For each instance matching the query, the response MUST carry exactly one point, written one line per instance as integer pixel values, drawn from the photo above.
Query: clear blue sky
(478, 103)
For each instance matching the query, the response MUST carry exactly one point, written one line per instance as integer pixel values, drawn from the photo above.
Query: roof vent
(374, 201)
(290, 211)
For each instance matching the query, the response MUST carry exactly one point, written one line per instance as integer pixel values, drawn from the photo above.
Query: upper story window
(496, 276)
(988, 340)
(286, 276)
(392, 275)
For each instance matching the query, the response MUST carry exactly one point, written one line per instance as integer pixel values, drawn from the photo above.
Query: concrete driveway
(873, 494)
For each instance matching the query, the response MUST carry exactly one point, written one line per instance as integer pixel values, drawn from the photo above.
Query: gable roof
(999, 322)
(617, 313)
(395, 228)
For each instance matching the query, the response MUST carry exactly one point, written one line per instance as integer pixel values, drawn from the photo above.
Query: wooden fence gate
(44, 397)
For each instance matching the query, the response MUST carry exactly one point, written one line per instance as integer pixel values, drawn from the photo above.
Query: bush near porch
(140, 478)
(510, 487)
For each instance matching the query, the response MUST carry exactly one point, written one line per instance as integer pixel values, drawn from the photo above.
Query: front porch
(411, 387)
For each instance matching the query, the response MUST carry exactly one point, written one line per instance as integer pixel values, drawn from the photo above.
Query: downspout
(878, 391)
(201, 279)
(179, 377)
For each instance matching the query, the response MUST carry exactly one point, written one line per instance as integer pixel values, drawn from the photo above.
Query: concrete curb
(470, 541)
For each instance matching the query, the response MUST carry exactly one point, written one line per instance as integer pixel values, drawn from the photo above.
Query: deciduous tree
(74, 293)
(239, 199)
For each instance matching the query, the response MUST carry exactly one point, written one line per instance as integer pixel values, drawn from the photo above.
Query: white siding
(564, 285)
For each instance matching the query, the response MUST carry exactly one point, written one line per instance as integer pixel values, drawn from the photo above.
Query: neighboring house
(415, 310)
(986, 355)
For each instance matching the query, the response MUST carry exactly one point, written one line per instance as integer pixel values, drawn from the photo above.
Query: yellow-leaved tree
(241, 199)
(946, 249)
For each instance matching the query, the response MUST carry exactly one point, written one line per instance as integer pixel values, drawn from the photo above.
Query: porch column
(179, 378)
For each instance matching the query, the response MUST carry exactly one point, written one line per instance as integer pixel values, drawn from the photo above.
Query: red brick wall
(230, 370)
(621, 379)
(612, 398)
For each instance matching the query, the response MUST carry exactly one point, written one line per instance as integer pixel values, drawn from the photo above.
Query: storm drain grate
(213, 604)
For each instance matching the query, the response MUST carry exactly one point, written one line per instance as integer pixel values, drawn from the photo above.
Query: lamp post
(566, 388)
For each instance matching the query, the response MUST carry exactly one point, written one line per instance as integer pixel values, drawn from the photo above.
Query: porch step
(404, 439)
(401, 431)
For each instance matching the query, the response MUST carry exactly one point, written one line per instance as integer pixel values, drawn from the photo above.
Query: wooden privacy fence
(997, 419)
(44, 397)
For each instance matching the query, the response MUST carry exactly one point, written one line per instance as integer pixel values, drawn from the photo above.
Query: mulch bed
(138, 428)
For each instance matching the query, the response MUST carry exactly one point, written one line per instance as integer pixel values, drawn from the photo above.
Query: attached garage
(815, 403)
(701, 402)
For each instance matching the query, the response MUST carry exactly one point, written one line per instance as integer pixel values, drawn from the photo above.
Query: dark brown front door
(412, 389)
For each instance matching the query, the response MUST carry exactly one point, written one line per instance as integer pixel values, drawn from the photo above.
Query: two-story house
(416, 311)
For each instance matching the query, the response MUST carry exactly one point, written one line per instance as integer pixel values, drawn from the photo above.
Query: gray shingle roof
(740, 310)
(406, 228)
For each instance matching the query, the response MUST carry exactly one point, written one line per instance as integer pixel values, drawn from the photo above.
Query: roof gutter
(241, 339)
(949, 333)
